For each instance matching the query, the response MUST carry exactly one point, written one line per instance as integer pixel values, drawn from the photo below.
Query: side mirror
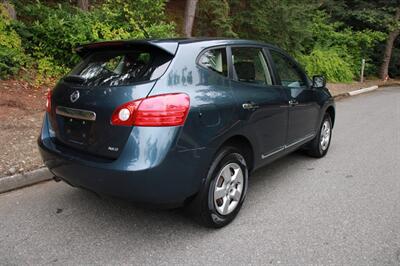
(318, 82)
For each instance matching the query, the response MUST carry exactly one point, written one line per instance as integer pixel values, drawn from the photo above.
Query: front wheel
(224, 189)
(319, 146)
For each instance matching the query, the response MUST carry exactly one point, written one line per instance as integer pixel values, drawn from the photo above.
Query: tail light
(48, 102)
(155, 111)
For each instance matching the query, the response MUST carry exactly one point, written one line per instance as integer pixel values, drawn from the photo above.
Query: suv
(181, 122)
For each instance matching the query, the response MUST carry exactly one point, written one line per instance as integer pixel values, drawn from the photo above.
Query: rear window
(116, 68)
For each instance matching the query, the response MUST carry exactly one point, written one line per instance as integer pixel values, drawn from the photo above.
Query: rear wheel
(223, 191)
(319, 146)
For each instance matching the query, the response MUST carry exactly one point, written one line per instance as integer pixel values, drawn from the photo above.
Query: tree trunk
(384, 70)
(190, 12)
(83, 4)
(10, 9)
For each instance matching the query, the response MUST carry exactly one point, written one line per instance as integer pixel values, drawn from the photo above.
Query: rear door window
(250, 65)
(116, 68)
(215, 60)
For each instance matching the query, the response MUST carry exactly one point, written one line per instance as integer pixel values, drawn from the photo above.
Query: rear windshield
(116, 68)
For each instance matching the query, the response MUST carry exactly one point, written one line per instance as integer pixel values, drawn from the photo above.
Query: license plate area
(77, 124)
(77, 131)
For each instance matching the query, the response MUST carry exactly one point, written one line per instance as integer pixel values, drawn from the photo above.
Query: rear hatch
(83, 102)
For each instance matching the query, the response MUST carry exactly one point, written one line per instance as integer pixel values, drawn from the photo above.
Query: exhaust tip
(56, 178)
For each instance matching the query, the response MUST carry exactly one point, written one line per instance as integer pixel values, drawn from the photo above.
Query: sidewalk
(341, 88)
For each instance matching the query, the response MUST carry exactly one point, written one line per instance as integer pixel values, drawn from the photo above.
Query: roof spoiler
(167, 46)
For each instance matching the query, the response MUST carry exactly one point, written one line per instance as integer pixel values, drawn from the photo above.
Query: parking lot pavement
(342, 209)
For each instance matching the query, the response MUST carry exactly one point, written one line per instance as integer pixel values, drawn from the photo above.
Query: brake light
(155, 111)
(48, 102)
(124, 114)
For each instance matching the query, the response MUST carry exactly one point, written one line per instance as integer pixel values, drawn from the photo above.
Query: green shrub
(340, 45)
(54, 32)
(51, 33)
(328, 63)
(12, 55)
(140, 18)
(47, 70)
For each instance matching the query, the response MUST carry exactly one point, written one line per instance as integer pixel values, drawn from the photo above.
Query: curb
(17, 181)
(341, 96)
(364, 90)
(356, 92)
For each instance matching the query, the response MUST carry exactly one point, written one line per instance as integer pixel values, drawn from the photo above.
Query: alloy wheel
(228, 188)
(325, 135)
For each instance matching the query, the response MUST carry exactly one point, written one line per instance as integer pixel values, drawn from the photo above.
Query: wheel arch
(242, 143)
(331, 111)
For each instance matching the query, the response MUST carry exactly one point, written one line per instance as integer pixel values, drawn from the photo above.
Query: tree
(83, 4)
(10, 9)
(378, 15)
(214, 18)
(392, 36)
(286, 23)
(190, 12)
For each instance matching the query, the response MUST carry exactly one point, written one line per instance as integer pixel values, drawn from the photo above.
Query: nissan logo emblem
(74, 96)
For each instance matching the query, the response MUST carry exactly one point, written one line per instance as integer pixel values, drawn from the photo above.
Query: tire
(214, 208)
(319, 146)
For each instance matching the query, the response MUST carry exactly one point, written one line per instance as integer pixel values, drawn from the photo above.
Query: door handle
(293, 102)
(250, 106)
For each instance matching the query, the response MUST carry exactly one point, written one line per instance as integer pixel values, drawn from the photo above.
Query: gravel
(21, 112)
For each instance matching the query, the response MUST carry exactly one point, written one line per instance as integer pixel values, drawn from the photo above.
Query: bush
(140, 18)
(298, 27)
(328, 63)
(51, 33)
(332, 43)
(12, 55)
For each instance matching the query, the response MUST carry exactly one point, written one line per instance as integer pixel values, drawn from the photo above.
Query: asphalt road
(342, 209)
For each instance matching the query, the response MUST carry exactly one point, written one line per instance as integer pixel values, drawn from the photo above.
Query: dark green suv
(182, 122)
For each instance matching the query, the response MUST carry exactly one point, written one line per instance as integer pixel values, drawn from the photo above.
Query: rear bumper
(168, 179)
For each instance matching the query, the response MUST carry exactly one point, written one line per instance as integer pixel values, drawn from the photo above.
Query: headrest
(245, 71)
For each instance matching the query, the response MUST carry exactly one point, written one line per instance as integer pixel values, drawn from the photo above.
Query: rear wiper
(75, 79)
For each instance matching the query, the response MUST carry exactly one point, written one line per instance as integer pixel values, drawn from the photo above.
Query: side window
(215, 59)
(250, 65)
(287, 71)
